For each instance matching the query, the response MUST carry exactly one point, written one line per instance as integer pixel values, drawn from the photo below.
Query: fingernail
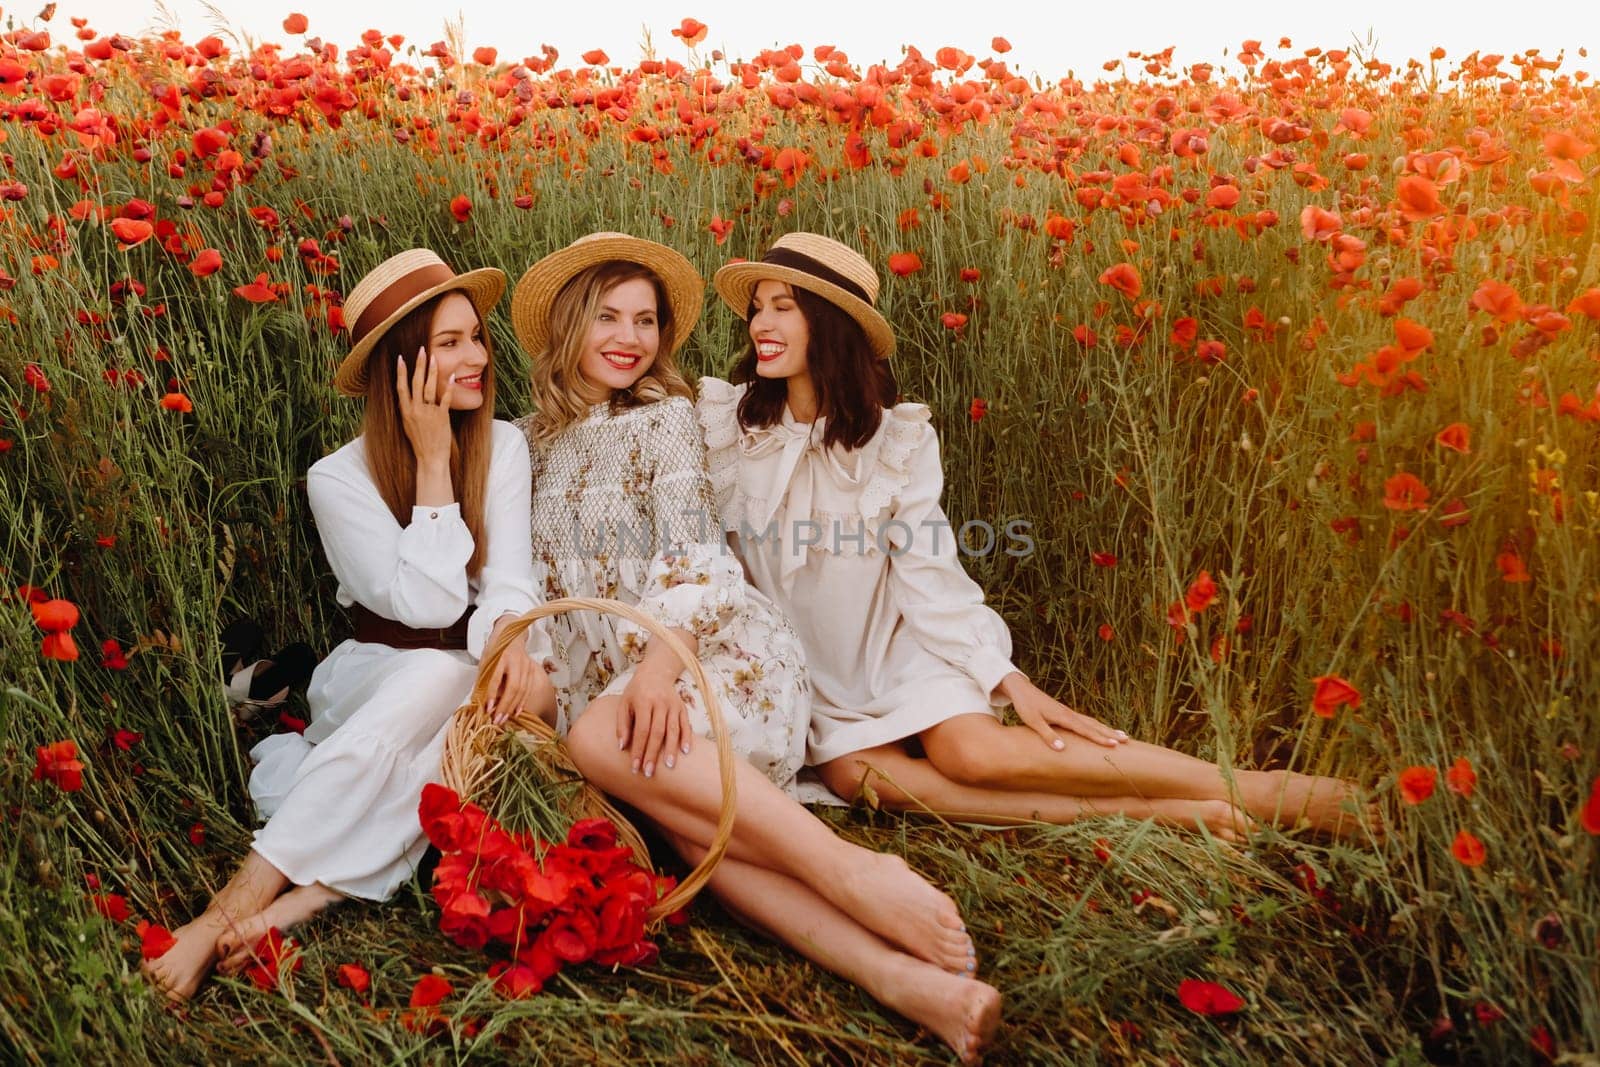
(649, 770)
(621, 744)
(669, 762)
(1122, 734)
(1058, 744)
(686, 748)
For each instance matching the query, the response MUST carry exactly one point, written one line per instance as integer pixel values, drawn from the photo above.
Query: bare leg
(978, 750)
(903, 783)
(775, 833)
(236, 946)
(179, 972)
(961, 1010)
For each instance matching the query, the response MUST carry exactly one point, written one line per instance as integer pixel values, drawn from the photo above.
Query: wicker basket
(470, 762)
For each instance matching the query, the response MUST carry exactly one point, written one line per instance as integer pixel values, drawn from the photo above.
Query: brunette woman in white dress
(829, 492)
(424, 522)
(622, 508)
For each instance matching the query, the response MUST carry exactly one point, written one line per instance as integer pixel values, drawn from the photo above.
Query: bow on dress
(792, 491)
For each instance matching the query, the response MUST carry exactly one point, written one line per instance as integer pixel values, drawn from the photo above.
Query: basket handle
(513, 634)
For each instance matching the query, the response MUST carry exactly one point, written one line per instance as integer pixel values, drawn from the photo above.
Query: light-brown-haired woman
(424, 521)
(622, 508)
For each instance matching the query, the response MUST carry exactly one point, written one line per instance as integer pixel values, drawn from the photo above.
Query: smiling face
(624, 336)
(779, 331)
(456, 345)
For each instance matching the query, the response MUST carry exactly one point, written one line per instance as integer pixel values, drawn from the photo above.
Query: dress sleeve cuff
(988, 667)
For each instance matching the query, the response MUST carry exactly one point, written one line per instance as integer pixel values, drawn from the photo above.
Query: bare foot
(236, 944)
(964, 1012)
(179, 971)
(886, 896)
(1326, 805)
(1225, 821)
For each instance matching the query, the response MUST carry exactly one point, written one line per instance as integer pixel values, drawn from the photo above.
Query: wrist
(1013, 684)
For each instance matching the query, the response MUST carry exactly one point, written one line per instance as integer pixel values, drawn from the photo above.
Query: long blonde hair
(390, 458)
(561, 395)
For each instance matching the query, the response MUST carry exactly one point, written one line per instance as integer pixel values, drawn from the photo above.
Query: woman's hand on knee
(1044, 714)
(652, 722)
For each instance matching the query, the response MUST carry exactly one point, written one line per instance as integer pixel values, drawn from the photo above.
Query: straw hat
(394, 288)
(536, 291)
(817, 264)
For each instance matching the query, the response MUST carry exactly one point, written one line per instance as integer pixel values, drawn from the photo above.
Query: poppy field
(1290, 359)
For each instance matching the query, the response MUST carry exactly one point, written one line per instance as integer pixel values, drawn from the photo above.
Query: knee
(854, 779)
(966, 764)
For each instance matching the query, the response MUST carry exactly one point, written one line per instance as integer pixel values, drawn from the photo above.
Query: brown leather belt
(372, 628)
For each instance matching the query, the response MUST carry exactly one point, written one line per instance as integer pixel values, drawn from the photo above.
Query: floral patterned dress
(622, 508)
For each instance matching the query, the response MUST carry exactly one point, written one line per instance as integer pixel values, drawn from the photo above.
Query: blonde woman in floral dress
(622, 508)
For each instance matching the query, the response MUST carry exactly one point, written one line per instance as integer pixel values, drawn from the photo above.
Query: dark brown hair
(390, 458)
(853, 384)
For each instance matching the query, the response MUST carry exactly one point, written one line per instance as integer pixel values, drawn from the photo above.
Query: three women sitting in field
(835, 654)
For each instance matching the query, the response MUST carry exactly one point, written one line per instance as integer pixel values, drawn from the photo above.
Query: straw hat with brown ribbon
(537, 289)
(395, 287)
(820, 265)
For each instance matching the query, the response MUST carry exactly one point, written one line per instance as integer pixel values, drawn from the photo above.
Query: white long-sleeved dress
(341, 800)
(622, 508)
(855, 549)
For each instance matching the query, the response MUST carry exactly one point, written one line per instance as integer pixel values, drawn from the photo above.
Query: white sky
(1049, 37)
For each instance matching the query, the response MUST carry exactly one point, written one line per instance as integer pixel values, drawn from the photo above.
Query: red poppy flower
(1412, 336)
(972, 274)
(1589, 817)
(952, 320)
(978, 409)
(177, 402)
(1586, 303)
(259, 291)
(1106, 632)
(905, 263)
(1512, 568)
(1468, 850)
(429, 991)
(125, 739)
(1461, 778)
(1208, 998)
(1457, 437)
(1330, 692)
(270, 954)
(484, 56)
(113, 906)
(34, 375)
(59, 647)
(206, 263)
(1201, 594)
(1405, 492)
(720, 228)
(1103, 559)
(295, 24)
(154, 940)
(461, 207)
(54, 616)
(691, 31)
(1124, 278)
(112, 657)
(353, 976)
(197, 834)
(596, 57)
(131, 232)
(1416, 784)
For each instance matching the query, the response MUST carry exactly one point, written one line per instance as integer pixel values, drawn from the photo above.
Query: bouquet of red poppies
(533, 904)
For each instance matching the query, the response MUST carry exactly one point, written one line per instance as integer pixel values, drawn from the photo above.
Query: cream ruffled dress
(855, 549)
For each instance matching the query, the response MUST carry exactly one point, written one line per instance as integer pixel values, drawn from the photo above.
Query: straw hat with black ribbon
(817, 264)
(396, 287)
(534, 294)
